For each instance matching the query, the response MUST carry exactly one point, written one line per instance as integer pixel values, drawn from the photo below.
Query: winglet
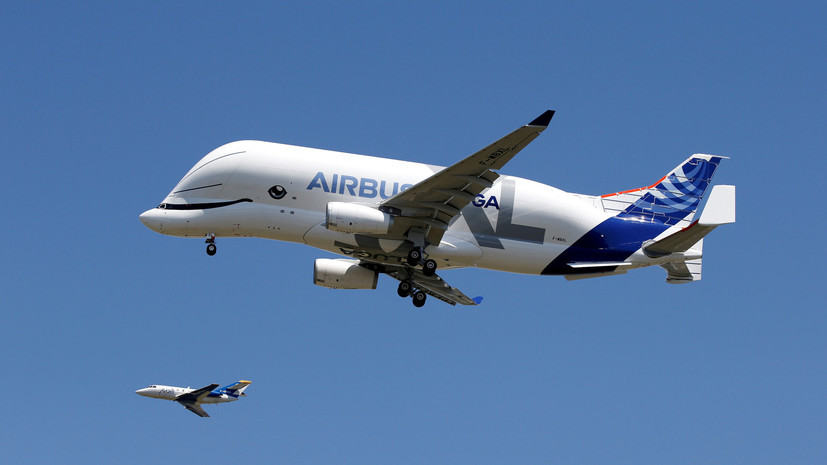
(478, 299)
(542, 120)
(720, 208)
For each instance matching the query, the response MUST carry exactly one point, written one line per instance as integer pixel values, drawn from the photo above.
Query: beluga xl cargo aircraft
(407, 220)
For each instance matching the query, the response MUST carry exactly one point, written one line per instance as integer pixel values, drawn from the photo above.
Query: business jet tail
(237, 388)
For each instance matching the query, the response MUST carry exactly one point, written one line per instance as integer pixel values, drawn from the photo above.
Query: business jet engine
(352, 218)
(343, 274)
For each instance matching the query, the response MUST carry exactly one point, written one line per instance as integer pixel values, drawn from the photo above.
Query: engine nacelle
(343, 274)
(352, 218)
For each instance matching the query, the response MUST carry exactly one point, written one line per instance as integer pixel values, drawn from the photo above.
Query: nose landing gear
(211, 248)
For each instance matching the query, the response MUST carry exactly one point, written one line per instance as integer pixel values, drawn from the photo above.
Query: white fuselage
(275, 191)
(158, 391)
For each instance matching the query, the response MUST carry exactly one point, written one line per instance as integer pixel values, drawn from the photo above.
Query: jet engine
(352, 218)
(343, 274)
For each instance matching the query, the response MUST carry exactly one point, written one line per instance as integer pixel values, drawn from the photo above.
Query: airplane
(406, 220)
(193, 398)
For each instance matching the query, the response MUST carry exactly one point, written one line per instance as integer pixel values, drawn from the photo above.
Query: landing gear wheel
(404, 289)
(429, 267)
(211, 249)
(419, 299)
(413, 257)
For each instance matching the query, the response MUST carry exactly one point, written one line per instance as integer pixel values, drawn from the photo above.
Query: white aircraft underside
(408, 219)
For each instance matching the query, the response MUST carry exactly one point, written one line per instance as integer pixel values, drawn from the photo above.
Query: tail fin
(671, 200)
(237, 388)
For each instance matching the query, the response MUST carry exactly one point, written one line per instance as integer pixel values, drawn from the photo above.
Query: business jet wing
(196, 395)
(439, 198)
(431, 285)
(190, 400)
(194, 408)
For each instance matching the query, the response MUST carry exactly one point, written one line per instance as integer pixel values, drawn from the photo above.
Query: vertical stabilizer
(673, 199)
(237, 388)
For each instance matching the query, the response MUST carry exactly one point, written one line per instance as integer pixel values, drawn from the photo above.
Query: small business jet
(193, 398)
(407, 220)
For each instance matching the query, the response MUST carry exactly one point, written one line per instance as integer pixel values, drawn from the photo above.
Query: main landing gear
(405, 289)
(415, 258)
(211, 248)
(418, 299)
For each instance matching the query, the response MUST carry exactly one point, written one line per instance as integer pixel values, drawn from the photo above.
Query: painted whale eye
(277, 192)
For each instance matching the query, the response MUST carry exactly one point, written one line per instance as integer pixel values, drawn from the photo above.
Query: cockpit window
(277, 192)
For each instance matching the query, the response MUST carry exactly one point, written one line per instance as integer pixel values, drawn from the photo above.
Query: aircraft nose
(151, 219)
(142, 392)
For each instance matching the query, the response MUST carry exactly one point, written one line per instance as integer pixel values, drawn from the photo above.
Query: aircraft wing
(431, 285)
(196, 395)
(439, 198)
(194, 408)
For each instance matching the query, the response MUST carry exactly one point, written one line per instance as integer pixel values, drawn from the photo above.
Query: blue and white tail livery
(406, 220)
(236, 389)
(672, 199)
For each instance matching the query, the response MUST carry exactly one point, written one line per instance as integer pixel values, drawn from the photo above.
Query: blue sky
(106, 106)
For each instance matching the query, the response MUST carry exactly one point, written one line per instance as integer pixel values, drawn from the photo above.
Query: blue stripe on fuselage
(613, 240)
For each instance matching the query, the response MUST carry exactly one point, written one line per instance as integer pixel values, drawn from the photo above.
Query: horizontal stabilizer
(680, 241)
(720, 209)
